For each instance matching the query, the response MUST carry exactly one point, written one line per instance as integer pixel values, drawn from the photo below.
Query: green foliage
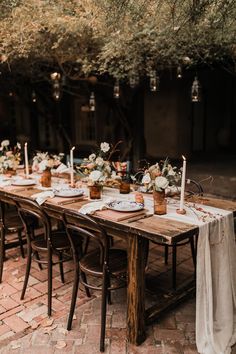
(118, 37)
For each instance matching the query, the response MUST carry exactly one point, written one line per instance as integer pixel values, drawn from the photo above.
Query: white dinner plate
(125, 205)
(23, 182)
(69, 192)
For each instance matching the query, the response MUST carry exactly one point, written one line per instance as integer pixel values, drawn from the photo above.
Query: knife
(71, 201)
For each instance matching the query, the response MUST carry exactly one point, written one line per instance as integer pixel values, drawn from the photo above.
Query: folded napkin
(90, 208)
(40, 198)
(62, 168)
(4, 183)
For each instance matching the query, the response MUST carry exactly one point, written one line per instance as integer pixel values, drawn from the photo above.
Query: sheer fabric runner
(216, 276)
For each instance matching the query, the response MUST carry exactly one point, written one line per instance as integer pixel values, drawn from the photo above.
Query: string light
(116, 90)
(92, 105)
(196, 90)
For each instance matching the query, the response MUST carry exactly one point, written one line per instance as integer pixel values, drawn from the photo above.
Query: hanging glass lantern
(56, 87)
(116, 90)
(56, 93)
(196, 90)
(154, 81)
(133, 80)
(179, 72)
(92, 105)
(34, 96)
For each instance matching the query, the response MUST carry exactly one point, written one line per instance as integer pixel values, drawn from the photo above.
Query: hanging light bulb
(92, 105)
(154, 81)
(56, 87)
(196, 90)
(116, 90)
(133, 80)
(55, 76)
(34, 96)
(179, 72)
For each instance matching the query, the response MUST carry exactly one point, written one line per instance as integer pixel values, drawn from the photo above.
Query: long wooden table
(137, 234)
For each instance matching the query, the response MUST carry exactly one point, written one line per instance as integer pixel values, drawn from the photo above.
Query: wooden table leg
(137, 247)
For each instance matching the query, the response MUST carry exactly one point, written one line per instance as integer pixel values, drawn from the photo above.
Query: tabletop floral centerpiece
(9, 157)
(43, 162)
(158, 178)
(97, 168)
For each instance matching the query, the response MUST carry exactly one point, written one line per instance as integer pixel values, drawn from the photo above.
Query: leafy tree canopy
(119, 37)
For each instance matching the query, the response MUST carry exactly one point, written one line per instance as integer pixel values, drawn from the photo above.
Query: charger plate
(125, 206)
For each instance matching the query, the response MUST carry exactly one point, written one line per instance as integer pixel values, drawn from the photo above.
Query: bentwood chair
(191, 188)
(10, 224)
(42, 247)
(100, 262)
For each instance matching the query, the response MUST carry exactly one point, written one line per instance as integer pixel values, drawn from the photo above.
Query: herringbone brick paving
(25, 328)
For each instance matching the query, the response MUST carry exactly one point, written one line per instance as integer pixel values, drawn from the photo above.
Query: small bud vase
(95, 191)
(160, 205)
(10, 172)
(46, 179)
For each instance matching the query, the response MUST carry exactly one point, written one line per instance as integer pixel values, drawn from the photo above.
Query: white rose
(146, 179)
(92, 157)
(161, 182)
(105, 147)
(171, 172)
(95, 175)
(5, 143)
(99, 161)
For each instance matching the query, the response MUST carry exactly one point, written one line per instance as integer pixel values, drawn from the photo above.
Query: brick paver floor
(25, 328)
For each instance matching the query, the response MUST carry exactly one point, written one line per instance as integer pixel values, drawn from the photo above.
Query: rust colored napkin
(117, 215)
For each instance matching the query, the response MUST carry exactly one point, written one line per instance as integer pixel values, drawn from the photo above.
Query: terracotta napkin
(119, 216)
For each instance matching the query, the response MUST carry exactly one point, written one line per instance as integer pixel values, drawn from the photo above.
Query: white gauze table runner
(216, 275)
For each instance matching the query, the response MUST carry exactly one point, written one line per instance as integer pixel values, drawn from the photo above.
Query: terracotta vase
(95, 192)
(124, 187)
(46, 178)
(9, 172)
(160, 205)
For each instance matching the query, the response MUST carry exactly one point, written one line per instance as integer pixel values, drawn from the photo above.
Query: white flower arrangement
(9, 157)
(44, 160)
(160, 176)
(97, 167)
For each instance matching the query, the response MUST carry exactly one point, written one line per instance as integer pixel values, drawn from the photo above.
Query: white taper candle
(72, 166)
(26, 161)
(181, 206)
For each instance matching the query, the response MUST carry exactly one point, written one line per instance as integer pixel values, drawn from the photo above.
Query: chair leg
(21, 243)
(166, 254)
(74, 297)
(174, 251)
(61, 267)
(103, 309)
(49, 281)
(84, 278)
(38, 259)
(27, 272)
(2, 252)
